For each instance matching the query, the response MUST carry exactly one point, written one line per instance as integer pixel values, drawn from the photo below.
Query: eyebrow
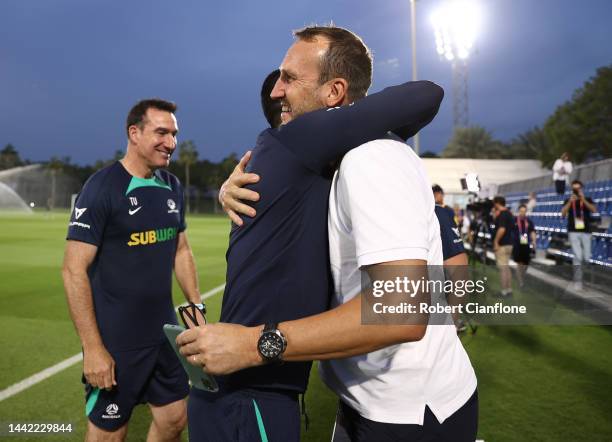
(288, 72)
(165, 130)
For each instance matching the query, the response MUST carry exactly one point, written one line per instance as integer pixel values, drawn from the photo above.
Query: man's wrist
(256, 357)
(195, 298)
(90, 345)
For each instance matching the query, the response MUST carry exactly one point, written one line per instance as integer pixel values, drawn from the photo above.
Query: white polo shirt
(381, 209)
(562, 170)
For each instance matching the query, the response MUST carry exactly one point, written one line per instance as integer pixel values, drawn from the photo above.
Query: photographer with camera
(579, 210)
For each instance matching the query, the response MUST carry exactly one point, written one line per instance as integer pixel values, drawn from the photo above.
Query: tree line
(580, 126)
(194, 173)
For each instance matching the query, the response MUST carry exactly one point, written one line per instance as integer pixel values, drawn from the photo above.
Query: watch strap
(270, 327)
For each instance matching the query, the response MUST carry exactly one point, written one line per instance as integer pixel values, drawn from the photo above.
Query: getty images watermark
(457, 289)
(436, 295)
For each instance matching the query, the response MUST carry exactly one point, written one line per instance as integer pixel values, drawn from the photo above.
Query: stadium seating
(551, 227)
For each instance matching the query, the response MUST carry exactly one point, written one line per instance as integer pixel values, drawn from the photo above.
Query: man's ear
(133, 133)
(337, 92)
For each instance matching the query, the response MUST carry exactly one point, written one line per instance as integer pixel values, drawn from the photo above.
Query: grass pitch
(535, 383)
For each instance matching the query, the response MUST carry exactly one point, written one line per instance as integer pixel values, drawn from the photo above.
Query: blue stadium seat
(596, 252)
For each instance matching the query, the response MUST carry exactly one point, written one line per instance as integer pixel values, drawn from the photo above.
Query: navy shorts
(151, 375)
(247, 415)
(461, 426)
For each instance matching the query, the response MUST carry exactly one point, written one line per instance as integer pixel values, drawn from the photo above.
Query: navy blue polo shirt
(506, 220)
(135, 223)
(278, 262)
(452, 244)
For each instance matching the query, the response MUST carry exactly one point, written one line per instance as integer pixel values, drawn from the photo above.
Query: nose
(278, 91)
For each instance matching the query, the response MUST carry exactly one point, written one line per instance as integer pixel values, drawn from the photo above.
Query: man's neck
(135, 167)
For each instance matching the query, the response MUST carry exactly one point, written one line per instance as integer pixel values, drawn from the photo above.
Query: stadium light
(456, 24)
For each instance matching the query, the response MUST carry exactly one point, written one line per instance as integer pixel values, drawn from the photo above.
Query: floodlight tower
(455, 26)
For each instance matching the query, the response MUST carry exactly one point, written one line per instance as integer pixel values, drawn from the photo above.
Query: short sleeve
(507, 221)
(91, 212)
(390, 214)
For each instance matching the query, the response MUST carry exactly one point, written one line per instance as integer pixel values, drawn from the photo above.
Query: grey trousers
(581, 248)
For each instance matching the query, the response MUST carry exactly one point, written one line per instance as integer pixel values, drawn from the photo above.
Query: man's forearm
(339, 333)
(499, 235)
(80, 305)
(565, 208)
(588, 205)
(186, 274)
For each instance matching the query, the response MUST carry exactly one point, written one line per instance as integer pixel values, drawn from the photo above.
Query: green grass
(536, 383)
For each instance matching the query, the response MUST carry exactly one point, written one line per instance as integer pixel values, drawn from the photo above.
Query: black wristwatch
(271, 343)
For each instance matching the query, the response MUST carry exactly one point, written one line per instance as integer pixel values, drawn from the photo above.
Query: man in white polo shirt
(413, 389)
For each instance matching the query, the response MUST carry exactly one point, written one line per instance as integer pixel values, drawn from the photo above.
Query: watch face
(270, 345)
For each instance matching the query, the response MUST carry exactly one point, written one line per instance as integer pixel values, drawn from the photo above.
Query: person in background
(502, 243)
(458, 214)
(531, 202)
(524, 243)
(562, 170)
(453, 252)
(579, 209)
(465, 224)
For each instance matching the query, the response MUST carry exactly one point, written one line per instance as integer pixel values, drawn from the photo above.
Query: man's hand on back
(232, 192)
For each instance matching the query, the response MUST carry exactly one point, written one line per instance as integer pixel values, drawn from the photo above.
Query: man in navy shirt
(125, 236)
(278, 263)
(452, 244)
(455, 258)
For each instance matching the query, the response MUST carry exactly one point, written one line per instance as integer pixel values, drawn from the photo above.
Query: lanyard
(581, 209)
(522, 226)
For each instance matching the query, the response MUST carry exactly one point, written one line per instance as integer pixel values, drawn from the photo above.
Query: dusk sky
(70, 70)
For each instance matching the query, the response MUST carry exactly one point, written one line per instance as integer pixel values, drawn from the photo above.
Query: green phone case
(198, 377)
